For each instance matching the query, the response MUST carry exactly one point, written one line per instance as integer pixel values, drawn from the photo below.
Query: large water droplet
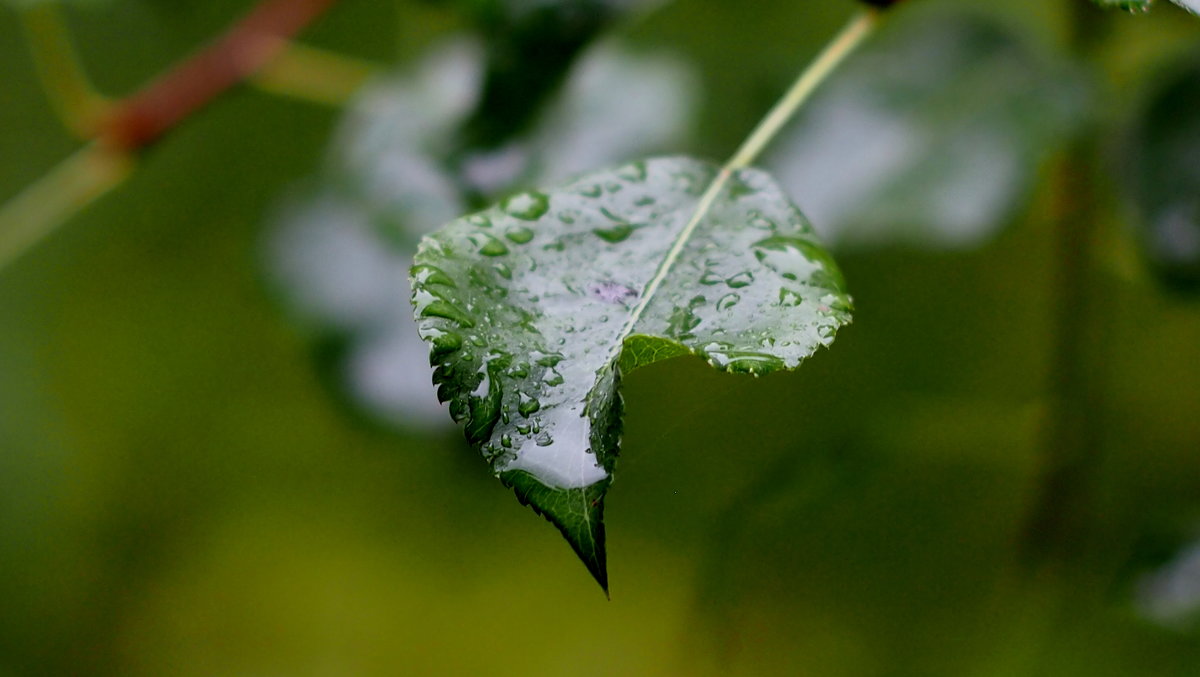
(520, 235)
(527, 405)
(789, 298)
(740, 280)
(618, 233)
(793, 258)
(633, 172)
(489, 245)
(528, 206)
(428, 275)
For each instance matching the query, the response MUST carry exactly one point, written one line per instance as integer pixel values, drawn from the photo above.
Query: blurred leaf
(1127, 5)
(1170, 596)
(931, 136)
(1163, 161)
(537, 307)
(342, 253)
(530, 46)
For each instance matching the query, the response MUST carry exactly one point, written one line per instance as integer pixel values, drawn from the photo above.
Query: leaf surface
(534, 310)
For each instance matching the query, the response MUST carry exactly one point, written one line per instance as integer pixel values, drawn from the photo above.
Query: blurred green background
(183, 492)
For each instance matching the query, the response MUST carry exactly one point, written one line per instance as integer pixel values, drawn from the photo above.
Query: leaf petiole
(844, 44)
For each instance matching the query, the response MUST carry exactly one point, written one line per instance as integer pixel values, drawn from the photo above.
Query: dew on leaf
(528, 206)
(489, 245)
(615, 234)
(527, 405)
(741, 280)
(788, 297)
(520, 235)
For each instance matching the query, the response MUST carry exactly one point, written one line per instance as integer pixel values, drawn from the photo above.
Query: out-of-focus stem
(77, 103)
(1057, 524)
(45, 205)
(314, 75)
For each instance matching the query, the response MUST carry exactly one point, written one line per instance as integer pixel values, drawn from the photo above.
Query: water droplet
(616, 234)
(789, 298)
(479, 220)
(506, 441)
(593, 190)
(553, 378)
(489, 245)
(428, 275)
(529, 206)
(711, 277)
(795, 259)
(644, 201)
(443, 344)
(527, 405)
(742, 361)
(448, 311)
(520, 235)
(503, 270)
(568, 216)
(633, 172)
(762, 223)
(484, 407)
(740, 280)
(728, 301)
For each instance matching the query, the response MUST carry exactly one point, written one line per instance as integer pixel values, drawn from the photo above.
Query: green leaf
(536, 308)
(1163, 160)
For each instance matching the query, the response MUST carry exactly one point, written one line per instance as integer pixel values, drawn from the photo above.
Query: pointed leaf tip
(578, 514)
(534, 309)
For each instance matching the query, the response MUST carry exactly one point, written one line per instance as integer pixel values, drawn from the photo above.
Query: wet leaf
(535, 308)
(341, 254)
(1164, 163)
(930, 137)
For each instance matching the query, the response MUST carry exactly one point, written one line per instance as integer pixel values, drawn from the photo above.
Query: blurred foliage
(1163, 157)
(179, 496)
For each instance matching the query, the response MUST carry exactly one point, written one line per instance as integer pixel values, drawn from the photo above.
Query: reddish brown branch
(246, 47)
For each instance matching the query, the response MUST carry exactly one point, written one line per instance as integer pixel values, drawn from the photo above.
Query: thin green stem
(75, 100)
(43, 206)
(841, 47)
(830, 58)
(313, 75)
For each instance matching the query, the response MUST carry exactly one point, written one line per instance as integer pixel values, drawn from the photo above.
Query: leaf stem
(46, 204)
(78, 105)
(861, 26)
(314, 75)
(841, 47)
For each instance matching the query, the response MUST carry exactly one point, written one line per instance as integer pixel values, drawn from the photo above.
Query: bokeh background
(216, 457)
